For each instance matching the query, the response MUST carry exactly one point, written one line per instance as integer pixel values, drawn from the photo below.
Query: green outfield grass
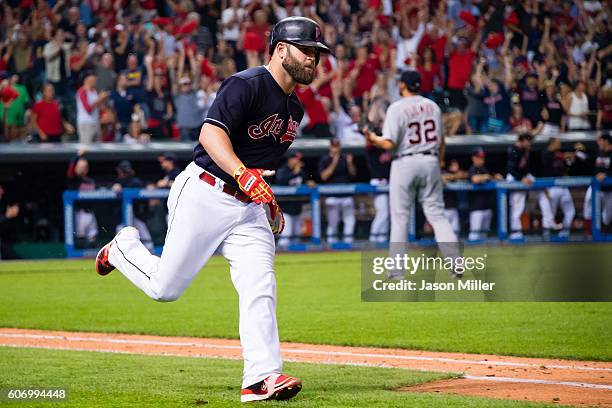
(118, 380)
(319, 302)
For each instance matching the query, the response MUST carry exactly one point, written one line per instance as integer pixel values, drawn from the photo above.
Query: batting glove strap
(252, 183)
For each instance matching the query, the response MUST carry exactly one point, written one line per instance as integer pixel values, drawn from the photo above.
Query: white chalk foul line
(359, 364)
(303, 351)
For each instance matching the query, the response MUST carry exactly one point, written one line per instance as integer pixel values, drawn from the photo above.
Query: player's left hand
(276, 219)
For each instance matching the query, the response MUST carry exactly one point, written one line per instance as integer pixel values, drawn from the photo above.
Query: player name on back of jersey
(419, 109)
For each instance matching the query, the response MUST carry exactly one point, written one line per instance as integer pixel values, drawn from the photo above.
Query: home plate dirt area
(564, 382)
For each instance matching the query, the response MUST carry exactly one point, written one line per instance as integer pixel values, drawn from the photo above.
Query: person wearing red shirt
(255, 38)
(47, 119)
(362, 71)
(326, 68)
(431, 76)
(459, 69)
(314, 106)
(432, 39)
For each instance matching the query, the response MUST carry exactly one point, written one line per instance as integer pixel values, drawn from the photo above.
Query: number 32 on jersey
(423, 133)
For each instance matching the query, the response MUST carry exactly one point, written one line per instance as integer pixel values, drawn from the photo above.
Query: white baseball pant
(549, 201)
(418, 177)
(86, 225)
(452, 215)
(480, 223)
(605, 198)
(241, 233)
(334, 206)
(517, 207)
(379, 229)
(292, 231)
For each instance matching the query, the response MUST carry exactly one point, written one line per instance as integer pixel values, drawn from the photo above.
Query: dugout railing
(314, 196)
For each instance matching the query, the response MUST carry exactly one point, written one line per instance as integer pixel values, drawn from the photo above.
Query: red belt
(237, 194)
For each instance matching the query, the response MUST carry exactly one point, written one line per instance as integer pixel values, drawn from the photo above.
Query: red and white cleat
(103, 266)
(274, 387)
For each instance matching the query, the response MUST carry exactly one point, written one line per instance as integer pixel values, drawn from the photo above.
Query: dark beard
(298, 72)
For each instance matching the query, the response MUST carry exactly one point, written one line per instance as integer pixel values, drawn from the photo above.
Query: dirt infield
(565, 382)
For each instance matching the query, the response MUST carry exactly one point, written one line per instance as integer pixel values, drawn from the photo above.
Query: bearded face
(301, 73)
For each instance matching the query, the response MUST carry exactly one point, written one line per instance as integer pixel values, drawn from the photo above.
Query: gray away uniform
(414, 125)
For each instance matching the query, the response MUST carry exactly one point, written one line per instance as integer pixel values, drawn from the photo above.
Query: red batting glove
(252, 183)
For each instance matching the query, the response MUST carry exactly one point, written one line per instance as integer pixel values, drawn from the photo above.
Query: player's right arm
(225, 116)
(391, 131)
(379, 141)
(218, 145)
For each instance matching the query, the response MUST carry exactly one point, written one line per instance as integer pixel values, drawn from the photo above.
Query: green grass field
(111, 380)
(319, 302)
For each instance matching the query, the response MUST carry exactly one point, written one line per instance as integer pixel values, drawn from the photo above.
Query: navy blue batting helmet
(300, 31)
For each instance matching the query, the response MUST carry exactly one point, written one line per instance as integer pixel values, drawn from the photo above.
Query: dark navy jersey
(340, 174)
(259, 118)
(450, 197)
(518, 162)
(286, 177)
(480, 199)
(553, 164)
(379, 162)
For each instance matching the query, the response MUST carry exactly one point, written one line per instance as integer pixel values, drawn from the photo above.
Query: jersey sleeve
(392, 125)
(231, 106)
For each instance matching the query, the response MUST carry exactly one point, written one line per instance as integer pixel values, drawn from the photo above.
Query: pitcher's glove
(276, 219)
(252, 183)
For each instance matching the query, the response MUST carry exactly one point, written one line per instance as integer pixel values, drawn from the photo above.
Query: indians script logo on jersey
(272, 126)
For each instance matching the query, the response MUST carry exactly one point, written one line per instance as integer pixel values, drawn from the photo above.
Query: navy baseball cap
(125, 166)
(296, 154)
(168, 156)
(479, 152)
(412, 79)
(606, 136)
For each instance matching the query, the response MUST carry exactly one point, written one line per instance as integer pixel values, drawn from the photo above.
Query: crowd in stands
(131, 71)
(139, 70)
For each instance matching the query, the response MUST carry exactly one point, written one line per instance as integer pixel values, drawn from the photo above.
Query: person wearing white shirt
(88, 102)
(231, 18)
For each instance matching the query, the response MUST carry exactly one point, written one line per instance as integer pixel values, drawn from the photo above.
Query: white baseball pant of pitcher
(452, 215)
(418, 176)
(203, 219)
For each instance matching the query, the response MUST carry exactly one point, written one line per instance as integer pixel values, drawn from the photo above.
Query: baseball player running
(413, 131)
(217, 203)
